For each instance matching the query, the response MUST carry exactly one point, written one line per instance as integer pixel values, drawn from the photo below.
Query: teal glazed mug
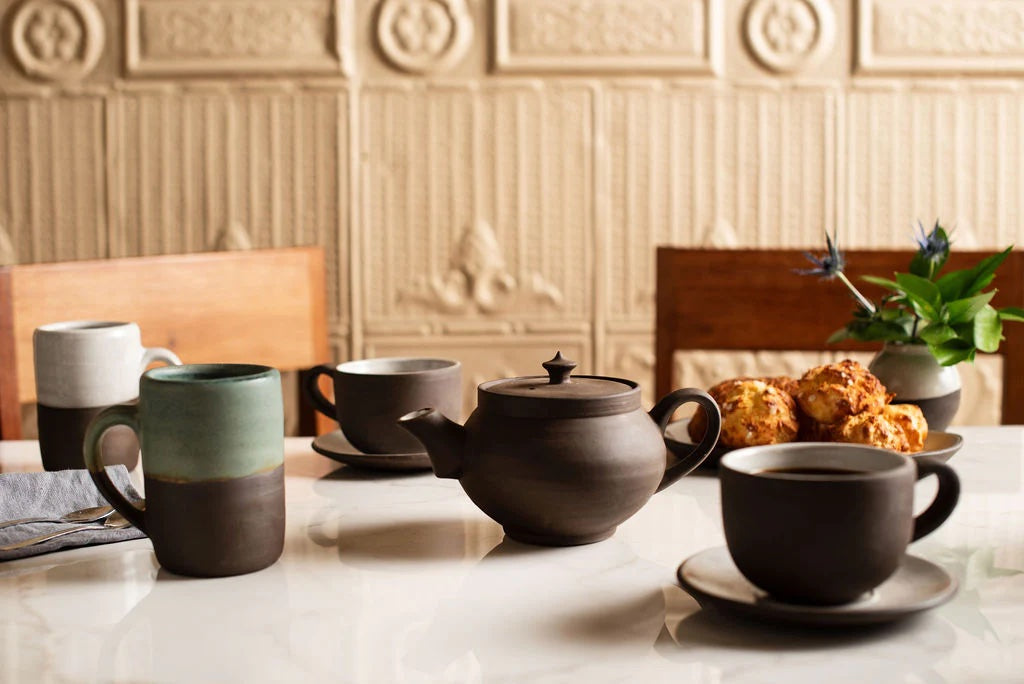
(212, 438)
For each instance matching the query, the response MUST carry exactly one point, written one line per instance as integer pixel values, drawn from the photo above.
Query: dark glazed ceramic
(560, 460)
(371, 394)
(62, 432)
(825, 539)
(212, 440)
(216, 528)
(711, 577)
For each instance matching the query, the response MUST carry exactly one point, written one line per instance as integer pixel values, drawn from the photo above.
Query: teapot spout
(444, 439)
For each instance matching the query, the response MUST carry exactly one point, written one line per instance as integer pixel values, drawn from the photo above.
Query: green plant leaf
(916, 286)
(838, 336)
(937, 333)
(964, 310)
(953, 284)
(1012, 313)
(882, 282)
(984, 272)
(988, 329)
(952, 352)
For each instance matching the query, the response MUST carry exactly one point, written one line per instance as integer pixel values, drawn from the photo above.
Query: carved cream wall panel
(941, 36)
(237, 36)
(694, 165)
(954, 152)
(477, 208)
(224, 168)
(608, 35)
(57, 39)
(52, 179)
(789, 35)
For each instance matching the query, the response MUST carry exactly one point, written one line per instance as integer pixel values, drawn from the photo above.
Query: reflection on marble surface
(401, 578)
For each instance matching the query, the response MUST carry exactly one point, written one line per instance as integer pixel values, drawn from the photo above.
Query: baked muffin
(873, 429)
(911, 420)
(831, 393)
(753, 412)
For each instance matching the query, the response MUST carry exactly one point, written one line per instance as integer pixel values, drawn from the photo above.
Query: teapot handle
(662, 414)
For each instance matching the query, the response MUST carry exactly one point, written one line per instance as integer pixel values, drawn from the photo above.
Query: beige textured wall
(490, 177)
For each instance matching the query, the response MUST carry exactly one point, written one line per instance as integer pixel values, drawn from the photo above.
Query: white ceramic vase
(911, 373)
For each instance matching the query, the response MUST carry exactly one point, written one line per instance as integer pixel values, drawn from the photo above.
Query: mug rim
(85, 326)
(208, 373)
(884, 463)
(365, 367)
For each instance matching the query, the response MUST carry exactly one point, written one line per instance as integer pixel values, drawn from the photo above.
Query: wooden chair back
(755, 300)
(259, 306)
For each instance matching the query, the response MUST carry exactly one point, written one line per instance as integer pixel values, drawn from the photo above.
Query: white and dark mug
(82, 367)
(825, 523)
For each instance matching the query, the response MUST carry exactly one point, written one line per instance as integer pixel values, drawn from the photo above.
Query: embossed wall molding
(424, 36)
(954, 154)
(194, 169)
(57, 39)
(180, 37)
(693, 165)
(789, 35)
(477, 202)
(53, 187)
(8, 255)
(478, 280)
(608, 35)
(940, 36)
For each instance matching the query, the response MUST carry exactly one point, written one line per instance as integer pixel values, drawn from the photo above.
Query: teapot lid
(559, 394)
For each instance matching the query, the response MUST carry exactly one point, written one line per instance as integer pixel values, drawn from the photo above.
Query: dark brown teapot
(561, 460)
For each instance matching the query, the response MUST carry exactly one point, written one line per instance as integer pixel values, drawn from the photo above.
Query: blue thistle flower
(933, 246)
(828, 265)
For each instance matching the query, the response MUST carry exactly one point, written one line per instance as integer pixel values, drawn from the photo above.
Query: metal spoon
(86, 515)
(115, 522)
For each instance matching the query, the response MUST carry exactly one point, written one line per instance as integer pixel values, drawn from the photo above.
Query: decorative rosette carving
(789, 35)
(424, 36)
(57, 39)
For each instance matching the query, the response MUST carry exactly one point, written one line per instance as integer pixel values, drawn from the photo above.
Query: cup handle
(152, 354)
(662, 414)
(945, 499)
(121, 414)
(311, 389)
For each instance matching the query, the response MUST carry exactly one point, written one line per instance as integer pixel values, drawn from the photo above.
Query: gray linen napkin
(53, 494)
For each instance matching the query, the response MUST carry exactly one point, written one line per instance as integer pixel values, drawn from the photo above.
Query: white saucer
(335, 446)
(712, 578)
(938, 445)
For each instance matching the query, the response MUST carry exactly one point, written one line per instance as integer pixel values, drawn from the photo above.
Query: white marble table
(401, 579)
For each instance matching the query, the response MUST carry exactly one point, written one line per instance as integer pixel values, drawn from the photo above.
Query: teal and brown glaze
(212, 438)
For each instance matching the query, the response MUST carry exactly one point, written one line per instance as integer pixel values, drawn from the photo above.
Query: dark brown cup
(372, 394)
(825, 538)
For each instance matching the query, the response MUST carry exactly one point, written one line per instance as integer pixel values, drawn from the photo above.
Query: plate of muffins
(836, 402)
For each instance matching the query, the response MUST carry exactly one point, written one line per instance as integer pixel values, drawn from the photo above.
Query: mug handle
(662, 414)
(121, 414)
(311, 389)
(152, 354)
(945, 499)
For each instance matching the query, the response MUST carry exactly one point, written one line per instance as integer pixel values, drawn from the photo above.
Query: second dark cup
(825, 523)
(371, 394)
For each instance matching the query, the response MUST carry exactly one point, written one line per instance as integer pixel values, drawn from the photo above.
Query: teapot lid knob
(559, 369)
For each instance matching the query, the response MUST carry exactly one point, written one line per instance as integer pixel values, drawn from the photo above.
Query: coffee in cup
(212, 439)
(370, 396)
(82, 367)
(825, 523)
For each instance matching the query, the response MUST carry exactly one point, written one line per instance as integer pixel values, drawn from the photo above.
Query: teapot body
(561, 481)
